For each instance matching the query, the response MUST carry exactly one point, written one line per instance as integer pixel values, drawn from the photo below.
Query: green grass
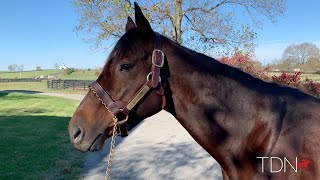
(81, 75)
(29, 74)
(34, 138)
(59, 74)
(37, 86)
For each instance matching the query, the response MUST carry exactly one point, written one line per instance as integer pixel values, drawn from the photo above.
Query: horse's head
(124, 75)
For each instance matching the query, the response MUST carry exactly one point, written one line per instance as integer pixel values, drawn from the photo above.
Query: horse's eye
(126, 67)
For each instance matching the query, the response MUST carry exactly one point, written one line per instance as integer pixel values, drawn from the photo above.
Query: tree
(209, 23)
(16, 67)
(301, 53)
(11, 67)
(313, 64)
(21, 67)
(38, 68)
(283, 65)
(56, 65)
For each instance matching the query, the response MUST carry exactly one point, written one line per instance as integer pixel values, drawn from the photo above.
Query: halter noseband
(121, 109)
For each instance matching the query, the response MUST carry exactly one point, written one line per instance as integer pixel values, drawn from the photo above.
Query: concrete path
(158, 148)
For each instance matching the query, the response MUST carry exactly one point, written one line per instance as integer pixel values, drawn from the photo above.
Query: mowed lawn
(34, 138)
(38, 86)
(80, 74)
(28, 74)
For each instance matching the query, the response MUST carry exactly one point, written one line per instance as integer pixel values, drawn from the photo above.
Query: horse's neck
(213, 108)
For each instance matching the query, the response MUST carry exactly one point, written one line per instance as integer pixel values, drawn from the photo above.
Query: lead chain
(113, 138)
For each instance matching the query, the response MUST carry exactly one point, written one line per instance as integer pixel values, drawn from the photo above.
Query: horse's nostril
(77, 135)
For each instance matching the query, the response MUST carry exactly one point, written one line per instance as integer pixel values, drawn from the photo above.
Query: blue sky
(38, 32)
(300, 24)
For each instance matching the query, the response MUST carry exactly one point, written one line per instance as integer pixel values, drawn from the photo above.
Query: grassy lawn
(37, 86)
(29, 74)
(81, 75)
(59, 74)
(34, 138)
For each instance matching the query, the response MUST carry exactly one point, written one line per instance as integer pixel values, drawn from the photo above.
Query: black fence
(68, 84)
(19, 80)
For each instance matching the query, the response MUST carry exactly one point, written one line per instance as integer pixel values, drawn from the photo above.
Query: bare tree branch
(195, 23)
(205, 10)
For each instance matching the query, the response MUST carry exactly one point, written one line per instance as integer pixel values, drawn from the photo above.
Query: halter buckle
(154, 58)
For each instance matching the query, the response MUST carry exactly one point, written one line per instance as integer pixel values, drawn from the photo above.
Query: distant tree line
(15, 67)
(304, 56)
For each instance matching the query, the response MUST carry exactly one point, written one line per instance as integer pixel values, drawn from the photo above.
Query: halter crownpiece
(121, 109)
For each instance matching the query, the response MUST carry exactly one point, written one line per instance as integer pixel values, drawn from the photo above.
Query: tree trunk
(177, 19)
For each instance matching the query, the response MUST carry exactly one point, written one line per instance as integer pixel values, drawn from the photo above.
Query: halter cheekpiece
(121, 109)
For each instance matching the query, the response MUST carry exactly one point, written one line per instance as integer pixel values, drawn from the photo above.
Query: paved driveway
(159, 148)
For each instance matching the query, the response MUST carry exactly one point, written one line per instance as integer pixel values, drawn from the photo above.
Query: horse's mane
(209, 65)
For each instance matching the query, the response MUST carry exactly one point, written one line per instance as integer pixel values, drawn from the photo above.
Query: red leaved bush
(247, 64)
(292, 80)
(311, 87)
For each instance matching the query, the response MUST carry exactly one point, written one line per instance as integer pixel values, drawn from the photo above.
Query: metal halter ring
(149, 77)
(119, 122)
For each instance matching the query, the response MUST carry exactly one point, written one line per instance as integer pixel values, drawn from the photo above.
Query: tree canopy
(211, 24)
(305, 56)
(301, 53)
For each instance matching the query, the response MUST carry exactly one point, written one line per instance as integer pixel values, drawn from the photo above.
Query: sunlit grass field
(28, 74)
(37, 86)
(59, 74)
(34, 138)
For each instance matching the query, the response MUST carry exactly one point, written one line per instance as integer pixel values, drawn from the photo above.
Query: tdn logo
(282, 165)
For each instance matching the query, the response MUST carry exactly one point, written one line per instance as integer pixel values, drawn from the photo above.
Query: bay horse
(254, 129)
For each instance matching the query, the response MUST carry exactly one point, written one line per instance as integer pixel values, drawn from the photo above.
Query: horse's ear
(141, 21)
(130, 24)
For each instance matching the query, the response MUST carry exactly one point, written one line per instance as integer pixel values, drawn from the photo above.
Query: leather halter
(121, 109)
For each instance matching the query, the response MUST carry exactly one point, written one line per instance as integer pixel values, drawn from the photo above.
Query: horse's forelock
(130, 45)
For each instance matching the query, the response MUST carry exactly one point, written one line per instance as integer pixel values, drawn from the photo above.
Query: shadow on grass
(26, 110)
(22, 91)
(37, 147)
(5, 95)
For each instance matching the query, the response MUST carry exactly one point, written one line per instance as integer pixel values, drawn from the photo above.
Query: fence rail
(68, 84)
(19, 80)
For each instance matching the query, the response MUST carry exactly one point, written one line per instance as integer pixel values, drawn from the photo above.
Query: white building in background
(63, 67)
(297, 70)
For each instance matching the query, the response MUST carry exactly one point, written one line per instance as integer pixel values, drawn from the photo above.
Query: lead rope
(113, 138)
